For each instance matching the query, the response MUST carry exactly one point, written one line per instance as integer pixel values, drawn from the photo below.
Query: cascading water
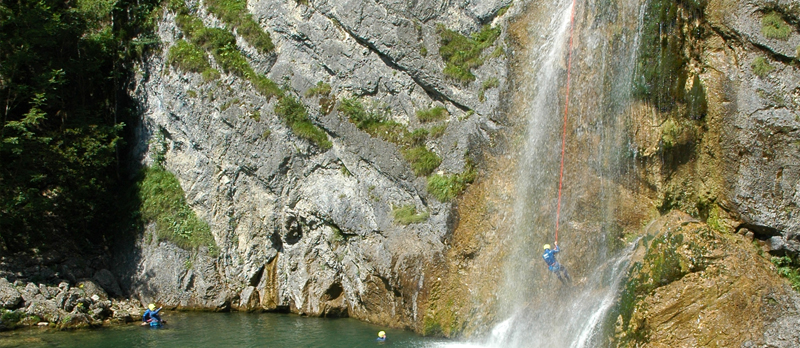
(539, 310)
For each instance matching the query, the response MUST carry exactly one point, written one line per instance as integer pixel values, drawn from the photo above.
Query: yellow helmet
(546, 246)
(382, 334)
(152, 307)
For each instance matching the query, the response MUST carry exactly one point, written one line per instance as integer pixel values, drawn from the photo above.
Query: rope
(566, 112)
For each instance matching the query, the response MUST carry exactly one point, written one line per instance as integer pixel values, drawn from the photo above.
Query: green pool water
(224, 330)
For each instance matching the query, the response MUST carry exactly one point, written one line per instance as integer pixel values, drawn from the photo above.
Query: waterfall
(535, 309)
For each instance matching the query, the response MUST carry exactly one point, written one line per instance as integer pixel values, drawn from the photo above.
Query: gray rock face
(299, 228)
(762, 127)
(9, 296)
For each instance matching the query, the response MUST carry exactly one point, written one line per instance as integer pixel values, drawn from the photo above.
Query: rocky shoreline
(65, 306)
(61, 290)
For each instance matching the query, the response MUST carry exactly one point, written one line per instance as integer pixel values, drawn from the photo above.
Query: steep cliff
(315, 225)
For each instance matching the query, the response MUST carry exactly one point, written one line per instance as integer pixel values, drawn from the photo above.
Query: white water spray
(539, 311)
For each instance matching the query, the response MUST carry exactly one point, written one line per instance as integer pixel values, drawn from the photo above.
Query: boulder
(10, 298)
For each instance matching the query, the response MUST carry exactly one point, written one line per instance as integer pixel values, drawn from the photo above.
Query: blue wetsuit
(549, 257)
(151, 315)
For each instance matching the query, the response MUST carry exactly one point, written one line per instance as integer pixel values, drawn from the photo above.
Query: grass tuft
(761, 67)
(422, 160)
(774, 27)
(294, 113)
(462, 54)
(433, 114)
(164, 202)
(407, 214)
(321, 89)
(448, 186)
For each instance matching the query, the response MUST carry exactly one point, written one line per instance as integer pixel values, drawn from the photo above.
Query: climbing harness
(566, 111)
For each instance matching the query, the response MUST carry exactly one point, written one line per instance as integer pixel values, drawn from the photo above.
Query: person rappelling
(553, 265)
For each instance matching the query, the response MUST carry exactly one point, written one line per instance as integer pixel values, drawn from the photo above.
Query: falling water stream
(539, 311)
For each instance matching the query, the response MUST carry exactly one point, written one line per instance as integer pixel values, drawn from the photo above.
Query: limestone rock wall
(299, 228)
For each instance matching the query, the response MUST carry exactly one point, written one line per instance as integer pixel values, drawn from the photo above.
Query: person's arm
(158, 310)
(556, 249)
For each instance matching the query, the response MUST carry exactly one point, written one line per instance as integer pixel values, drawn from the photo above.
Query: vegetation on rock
(235, 14)
(190, 58)
(462, 54)
(434, 114)
(407, 214)
(164, 203)
(222, 45)
(294, 113)
(789, 267)
(423, 161)
(761, 67)
(774, 27)
(445, 187)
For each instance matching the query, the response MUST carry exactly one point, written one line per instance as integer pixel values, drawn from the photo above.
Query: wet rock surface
(692, 286)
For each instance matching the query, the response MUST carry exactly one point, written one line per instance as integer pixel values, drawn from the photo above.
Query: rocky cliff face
(299, 227)
(311, 230)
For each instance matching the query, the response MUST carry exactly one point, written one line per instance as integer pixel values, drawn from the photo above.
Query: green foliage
(433, 114)
(188, 57)
(448, 186)
(422, 160)
(407, 214)
(355, 111)
(462, 54)
(437, 131)
(761, 67)
(63, 68)
(235, 14)
(789, 268)
(294, 113)
(222, 45)
(163, 202)
(774, 27)
(322, 89)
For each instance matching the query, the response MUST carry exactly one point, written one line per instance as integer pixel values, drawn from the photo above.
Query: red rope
(566, 112)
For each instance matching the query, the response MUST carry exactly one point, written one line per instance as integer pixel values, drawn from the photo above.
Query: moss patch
(462, 54)
(408, 214)
(761, 67)
(774, 27)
